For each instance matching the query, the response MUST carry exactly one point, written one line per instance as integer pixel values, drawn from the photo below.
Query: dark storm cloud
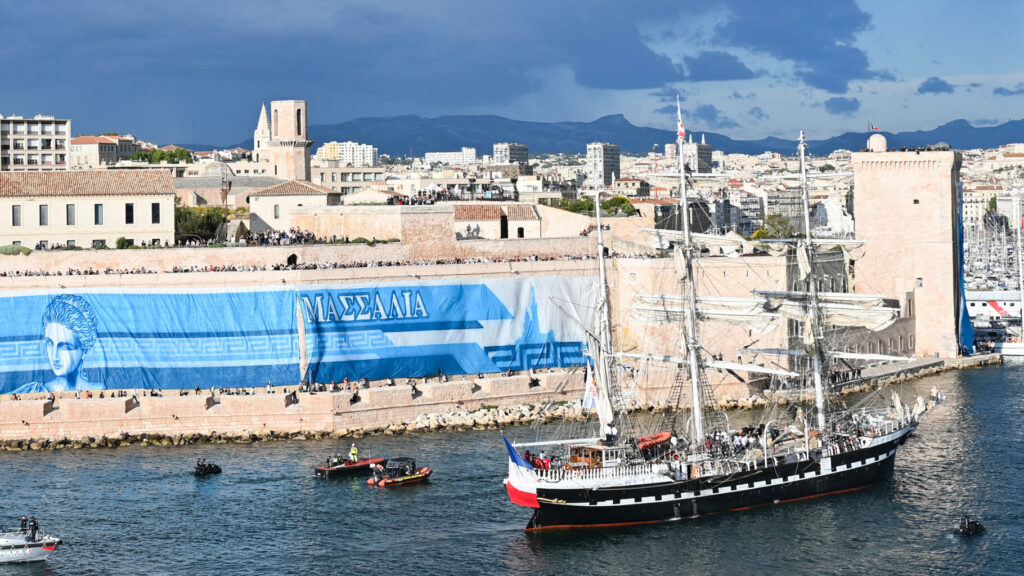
(817, 37)
(198, 70)
(716, 65)
(757, 113)
(1015, 91)
(935, 85)
(842, 106)
(707, 116)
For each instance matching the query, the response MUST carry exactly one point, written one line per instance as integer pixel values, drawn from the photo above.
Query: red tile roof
(477, 212)
(521, 212)
(294, 188)
(94, 140)
(86, 183)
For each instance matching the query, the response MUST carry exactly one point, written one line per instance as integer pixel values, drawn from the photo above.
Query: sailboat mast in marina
(619, 471)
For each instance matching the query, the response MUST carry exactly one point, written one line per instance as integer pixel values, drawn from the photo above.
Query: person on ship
(353, 454)
(24, 523)
(34, 526)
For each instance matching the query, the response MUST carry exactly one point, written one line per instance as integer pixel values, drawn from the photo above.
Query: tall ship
(689, 462)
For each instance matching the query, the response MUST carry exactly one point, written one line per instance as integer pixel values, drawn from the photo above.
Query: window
(70, 243)
(274, 122)
(16, 215)
(916, 201)
(99, 243)
(920, 282)
(129, 213)
(521, 232)
(155, 242)
(44, 215)
(97, 215)
(277, 211)
(155, 211)
(298, 122)
(69, 214)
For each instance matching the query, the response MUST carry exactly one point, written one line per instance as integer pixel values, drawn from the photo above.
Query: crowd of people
(330, 265)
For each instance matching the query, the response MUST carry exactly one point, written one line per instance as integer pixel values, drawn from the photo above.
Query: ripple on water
(267, 513)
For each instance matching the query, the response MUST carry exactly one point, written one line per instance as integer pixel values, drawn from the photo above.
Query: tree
(775, 226)
(198, 221)
(826, 168)
(991, 206)
(617, 205)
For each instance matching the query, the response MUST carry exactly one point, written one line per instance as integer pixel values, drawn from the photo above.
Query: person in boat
(24, 523)
(69, 332)
(34, 527)
(353, 454)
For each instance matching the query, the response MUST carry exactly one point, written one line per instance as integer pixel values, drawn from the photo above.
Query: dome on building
(877, 143)
(218, 169)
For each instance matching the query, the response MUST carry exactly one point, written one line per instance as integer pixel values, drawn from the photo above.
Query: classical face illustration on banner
(69, 332)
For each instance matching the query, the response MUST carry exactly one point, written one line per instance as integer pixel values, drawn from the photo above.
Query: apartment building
(347, 153)
(88, 152)
(602, 163)
(464, 156)
(33, 144)
(510, 153)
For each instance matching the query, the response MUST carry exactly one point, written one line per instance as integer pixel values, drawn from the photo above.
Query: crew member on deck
(34, 525)
(353, 454)
(24, 523)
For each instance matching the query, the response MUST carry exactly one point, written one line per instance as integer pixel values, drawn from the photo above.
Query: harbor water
(136, 510)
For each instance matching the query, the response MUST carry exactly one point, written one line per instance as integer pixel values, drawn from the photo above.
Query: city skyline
(192, 72)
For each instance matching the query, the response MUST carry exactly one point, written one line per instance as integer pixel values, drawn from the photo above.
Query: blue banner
(175, 339)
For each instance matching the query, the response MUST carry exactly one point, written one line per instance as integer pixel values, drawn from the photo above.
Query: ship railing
(569, 473)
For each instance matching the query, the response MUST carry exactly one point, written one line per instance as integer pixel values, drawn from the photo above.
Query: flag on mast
(679, 117)
(872, 126)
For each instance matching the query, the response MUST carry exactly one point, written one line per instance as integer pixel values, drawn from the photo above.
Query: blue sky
(197, 71)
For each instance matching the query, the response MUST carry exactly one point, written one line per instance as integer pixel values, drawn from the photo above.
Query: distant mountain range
(415, 135)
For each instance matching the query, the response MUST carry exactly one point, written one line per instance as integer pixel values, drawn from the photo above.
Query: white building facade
(87, 208)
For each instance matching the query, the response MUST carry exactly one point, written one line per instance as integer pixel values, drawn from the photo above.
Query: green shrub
(11, 250)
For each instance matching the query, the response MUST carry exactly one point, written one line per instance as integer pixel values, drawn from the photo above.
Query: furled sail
(659, 309)
(602, 377)
(730, 243)
(848, 315)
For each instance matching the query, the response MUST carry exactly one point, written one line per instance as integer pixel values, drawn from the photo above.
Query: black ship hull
(649, 503)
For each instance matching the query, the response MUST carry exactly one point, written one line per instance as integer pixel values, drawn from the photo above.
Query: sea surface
(136, 510)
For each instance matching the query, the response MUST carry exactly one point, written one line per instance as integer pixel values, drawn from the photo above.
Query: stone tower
(906, 208)
(261, 137)
(282, 140)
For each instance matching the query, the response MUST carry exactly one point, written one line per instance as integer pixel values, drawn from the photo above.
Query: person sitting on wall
(69, 332)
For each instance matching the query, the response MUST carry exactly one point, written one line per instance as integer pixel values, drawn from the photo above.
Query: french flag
(521, 484)
(872, 126)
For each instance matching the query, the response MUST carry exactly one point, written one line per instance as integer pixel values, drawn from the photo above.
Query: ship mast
(812, 292)
(691, 292)
(605, 412)
(1018, 224)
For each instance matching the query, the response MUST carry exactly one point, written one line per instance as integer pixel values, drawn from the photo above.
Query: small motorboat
(397, 472)
(22, 547)
(337, 466)
(969, 526)
(204, 468)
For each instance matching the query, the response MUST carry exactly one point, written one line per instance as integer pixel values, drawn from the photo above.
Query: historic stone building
(282, 139)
